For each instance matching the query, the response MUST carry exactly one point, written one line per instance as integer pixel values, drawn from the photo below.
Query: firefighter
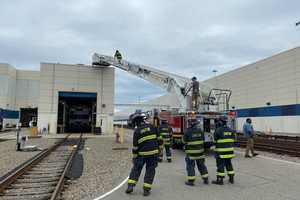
(160, 146)
(156, 120)
(165, 132)
(145, 152)
(224, 151)
(194, 149)
(195, 93)
(118, 56)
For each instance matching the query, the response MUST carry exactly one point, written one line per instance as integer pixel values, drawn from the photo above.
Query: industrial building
(267, 91)
(63, 97)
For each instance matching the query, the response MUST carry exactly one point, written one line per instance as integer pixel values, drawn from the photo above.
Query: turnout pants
(139, 162)
(223, 163)
(190, 168)
(167, 148)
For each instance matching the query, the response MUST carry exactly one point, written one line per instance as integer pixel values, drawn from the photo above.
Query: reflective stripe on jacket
(145, 141)
(194, 143)
(165, 133)
(224, 141)
(118, 55)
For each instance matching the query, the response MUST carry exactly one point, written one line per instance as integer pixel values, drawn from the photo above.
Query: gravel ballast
(10, 158)
(103, 168)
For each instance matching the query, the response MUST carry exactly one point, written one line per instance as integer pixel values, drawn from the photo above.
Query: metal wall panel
(275, 80)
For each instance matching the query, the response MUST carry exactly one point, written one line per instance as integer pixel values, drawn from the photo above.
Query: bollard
(121, 134)
(118, 136)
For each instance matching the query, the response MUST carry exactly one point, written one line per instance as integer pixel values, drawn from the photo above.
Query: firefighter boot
(205, 181)
(129, 189)
(189, 183)
(219, 181)
(231, 179)
(146, 192)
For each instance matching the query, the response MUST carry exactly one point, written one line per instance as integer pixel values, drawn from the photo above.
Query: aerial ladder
(210, 99)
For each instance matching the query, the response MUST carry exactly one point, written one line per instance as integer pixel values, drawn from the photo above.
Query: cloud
(184, 37)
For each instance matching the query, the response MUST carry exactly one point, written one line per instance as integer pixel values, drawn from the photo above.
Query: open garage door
(27, 115)
(76, 112)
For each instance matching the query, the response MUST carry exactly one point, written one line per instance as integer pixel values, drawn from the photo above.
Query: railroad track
(276, 144)
(43, 176)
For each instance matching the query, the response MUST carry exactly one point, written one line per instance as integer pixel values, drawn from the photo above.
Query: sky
(189, 38)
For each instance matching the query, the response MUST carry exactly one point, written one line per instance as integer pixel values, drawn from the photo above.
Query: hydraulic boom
(171, 82)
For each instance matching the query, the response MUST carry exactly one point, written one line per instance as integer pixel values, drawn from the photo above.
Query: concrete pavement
(256, 179)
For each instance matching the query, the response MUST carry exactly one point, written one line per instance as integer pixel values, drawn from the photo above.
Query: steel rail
(288, 145)
(27, 165)
(61, 181)
(12, 176)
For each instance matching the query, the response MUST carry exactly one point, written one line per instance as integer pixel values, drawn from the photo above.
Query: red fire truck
(207, 122)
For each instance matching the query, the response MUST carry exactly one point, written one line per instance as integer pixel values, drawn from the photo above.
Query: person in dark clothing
(195, 93)
(118, 56)
(194, 149)
(224, 151)
(145, 152)
(165, 132)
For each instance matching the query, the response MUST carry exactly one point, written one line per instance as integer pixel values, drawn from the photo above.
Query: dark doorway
(27, 115)
(76, 112)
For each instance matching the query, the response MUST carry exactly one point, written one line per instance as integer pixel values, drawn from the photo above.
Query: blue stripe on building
(270, 111)
(78, 94)
(9, 114)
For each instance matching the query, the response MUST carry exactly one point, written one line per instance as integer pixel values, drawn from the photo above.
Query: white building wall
(275, 80)
(27, 89)
(19, 88)
(8, 86)
(75, 78)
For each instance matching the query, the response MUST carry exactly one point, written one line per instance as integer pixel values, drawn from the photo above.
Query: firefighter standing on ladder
(145, 152)
(118, 56)
(195, 93)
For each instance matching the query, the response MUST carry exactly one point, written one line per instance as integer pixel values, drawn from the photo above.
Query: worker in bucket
(118, 56)
(145, 152)
(195, 93)
(165, 132)
(224, 151)
(194, 149)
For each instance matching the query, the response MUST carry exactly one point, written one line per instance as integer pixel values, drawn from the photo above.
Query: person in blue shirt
(249, 134)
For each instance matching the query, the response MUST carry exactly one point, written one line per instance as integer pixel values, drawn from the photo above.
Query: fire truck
(207, 122)
(213, 102)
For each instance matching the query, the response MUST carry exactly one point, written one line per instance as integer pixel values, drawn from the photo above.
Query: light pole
(215, 73)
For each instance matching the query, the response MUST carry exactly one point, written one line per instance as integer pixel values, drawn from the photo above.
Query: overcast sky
(185, 37)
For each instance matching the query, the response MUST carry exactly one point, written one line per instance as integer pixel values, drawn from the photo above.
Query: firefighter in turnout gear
(224, 151)
(165, 132)
(156, 123)
(145, 152)
(194, 149)
(118, 56)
